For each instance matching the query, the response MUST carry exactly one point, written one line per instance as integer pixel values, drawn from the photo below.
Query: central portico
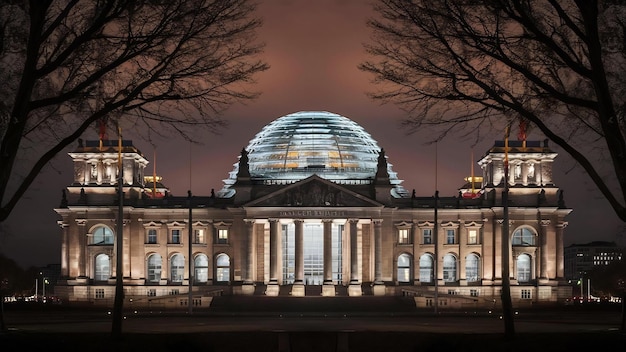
(317, 242)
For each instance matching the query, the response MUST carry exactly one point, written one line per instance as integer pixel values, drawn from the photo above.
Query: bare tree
(158, 66)
(559, 65)
(556, 65)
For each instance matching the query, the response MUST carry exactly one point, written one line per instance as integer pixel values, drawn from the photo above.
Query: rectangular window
(175, 292)
(526, 294)
(474, 293)
(175, 236)
(100, 293)
(152, 292)
(403, 236)
(152, 236)
(427, 236)
(198, 236)
(472, 236)
(222, 236)
(450, 236)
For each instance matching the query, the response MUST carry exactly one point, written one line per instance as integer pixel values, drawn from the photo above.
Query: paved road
(313, 327)
(557, 321)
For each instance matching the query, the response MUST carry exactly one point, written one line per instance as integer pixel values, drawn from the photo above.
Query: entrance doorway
(313, 253)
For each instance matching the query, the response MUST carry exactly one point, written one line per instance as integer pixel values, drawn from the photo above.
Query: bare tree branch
(460, 64)
(169, 66)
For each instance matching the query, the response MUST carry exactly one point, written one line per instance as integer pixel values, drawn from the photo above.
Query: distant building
(581, 259)
(312, 207)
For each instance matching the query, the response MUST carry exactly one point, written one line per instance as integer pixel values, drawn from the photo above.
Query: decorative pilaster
(328, 289)
(355, 285)
(543, 274)
(64, 248)
(379, 285)
(298, 285)
(82, 245)
(248, 282)
(560, 229)
(272, 287)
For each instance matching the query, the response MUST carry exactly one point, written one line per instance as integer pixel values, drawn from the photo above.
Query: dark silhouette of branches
(161, 67)
(558, 65)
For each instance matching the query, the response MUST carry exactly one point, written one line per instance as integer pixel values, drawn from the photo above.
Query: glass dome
(298, 145)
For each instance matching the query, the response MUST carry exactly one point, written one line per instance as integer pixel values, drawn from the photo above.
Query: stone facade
(312, 236)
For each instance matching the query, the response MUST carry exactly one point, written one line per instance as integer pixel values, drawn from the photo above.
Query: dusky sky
(313, 48)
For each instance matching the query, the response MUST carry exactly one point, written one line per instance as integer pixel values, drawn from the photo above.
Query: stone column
(525, 173)
(379, 285)
(355, 285)
(543, 238)
(560, 228)
(126, 247)
(248, 282)
(64, 248)
(497, 251)
(298, 285)
(272, 287)
(82, 248)
(328, 289)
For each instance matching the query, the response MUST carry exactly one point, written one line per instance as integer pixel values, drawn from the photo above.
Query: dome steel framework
(298, 145)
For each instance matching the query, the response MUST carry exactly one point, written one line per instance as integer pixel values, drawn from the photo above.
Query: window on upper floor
(403, 236)
(427, 236)
(222, 236)
(175, 238)
(198, 236)
(450, 236)
(151, 236)
(472, 236)
(102, 235)
(524, 237)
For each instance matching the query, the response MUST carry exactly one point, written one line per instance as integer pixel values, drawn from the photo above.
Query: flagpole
(119, 242)
(507, 305)
(190, 239)
(436, 240)
(154, 174)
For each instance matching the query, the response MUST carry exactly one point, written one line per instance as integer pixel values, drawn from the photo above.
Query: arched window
(102, 235)
(449, 268)
(222, 265)
(426, 268)
(472, 265)
(103, 267)
(523, 268)
(523, 237)
(404, 268)
(201, 267)
(154, 268)
(177, 268)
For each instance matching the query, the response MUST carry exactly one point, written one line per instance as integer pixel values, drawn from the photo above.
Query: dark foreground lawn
(312, 341)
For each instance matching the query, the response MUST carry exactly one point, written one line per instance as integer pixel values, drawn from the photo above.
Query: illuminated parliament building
(312, 207)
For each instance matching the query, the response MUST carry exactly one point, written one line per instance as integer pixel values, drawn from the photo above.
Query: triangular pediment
(314, 191)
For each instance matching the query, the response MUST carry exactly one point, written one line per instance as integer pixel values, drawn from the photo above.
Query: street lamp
(44, 282)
